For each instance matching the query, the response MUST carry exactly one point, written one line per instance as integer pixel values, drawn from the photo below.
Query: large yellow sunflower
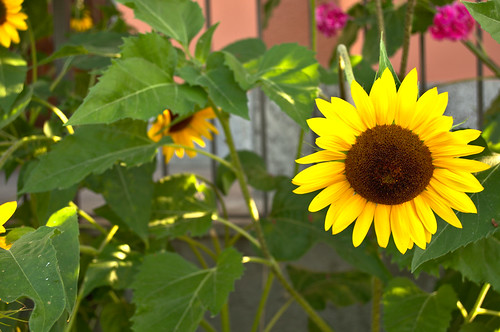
(11, 20)
(390, 159)
(184, 132)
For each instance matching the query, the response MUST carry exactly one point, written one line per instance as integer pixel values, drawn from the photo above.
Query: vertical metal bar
(480, 81)
(263, 119)
(423, 72)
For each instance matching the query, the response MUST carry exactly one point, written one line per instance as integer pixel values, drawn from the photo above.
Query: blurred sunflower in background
(11, 20)
(183, 131)
(80, 18)
(391, 160)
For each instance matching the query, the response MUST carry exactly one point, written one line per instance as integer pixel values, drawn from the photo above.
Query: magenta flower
(452, 22)
(330, 19)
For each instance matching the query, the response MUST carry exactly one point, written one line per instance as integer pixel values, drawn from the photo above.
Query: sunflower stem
(345, 63)
(277, 315)
(476, 309)
(263, 300)
(407, 35)
(376, 298)
(299, 150)
(34, 61)
(56, 111)
(380, 19)
(254, 215)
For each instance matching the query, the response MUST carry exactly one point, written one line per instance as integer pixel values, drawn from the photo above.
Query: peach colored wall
(446, 60)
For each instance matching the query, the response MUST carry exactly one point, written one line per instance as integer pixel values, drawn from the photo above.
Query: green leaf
(204, 44)
(151, 47)
(222, 87)
(244, 78)
(477, 261)
(46, 203)
(134, 88)
(182, 204)
(115, 317)
(43, 265)
(486, 14)
(407, 308)
(341, 288)
(289, 75)
(172, 294)
(255, 170)
(385, 63)
(179, 19)
(246, 49)
(475, 226)
(129, 191)
(67, 249)
(92, 149)
(115, 266)
(13, 71)
(24, 98)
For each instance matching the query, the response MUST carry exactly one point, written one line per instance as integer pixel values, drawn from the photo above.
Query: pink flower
(452, 22)
(330, 19)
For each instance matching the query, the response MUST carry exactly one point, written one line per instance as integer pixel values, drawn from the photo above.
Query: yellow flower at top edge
(6, 211)
(391, 160)
(184, 132)
(82, 23)
(11, 20)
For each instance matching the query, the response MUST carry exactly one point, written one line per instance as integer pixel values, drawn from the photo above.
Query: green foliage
(181, 204)
(491, 130)
(408, 308)
(475, 226)
(99, 147)
(340, 288)
(172, 294)
(178, 19)
(488, 15)
(13, 70)
(43, 265)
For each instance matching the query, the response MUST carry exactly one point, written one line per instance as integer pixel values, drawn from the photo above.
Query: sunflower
(6, 211)
(11, 20)
(390, 159)
(183, 132)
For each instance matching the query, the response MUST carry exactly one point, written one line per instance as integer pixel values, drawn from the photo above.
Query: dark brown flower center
(388, 165)
(3, 13)
(180, 124)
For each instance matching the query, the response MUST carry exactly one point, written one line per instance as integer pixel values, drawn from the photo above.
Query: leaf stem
(263, 300)
(195, 243)
(376, 299)
(87, 217)
(462, 309)
(17, 144)
(238, 229)
(278, 315)
(207, 326)
(56, 111)
(479, 301)
(380, 18)
(203, 152)
(410, 9)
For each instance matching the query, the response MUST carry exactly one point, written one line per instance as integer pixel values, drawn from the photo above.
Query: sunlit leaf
(23, 99)
(13, 71)
(46, 203)
(487, 15)
(92, 149)
(171, 294)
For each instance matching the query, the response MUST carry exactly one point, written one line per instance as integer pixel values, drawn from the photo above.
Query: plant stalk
(410, 9)
(479, 301)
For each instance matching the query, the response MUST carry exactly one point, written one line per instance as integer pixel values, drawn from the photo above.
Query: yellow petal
(455, 150)
(335, 209)
(456, 199)
(349, 212)
(436, 126)
(382, 224)
(335, 143)
(340, 109)
(406, 99)
(399, 227)
(424, 104)
(315, 172)
(466, 165)
(389, 89)
(429, 111)
(425, 214)
(363, 223)
(439, 206)
(417, 232)
(326, 127)
(320, 156)
(467, 135)
(458, 180)
(6, 211)
(320, 183)
(328, 196)
(363, 105)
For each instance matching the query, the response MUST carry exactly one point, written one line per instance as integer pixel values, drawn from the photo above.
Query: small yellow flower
(184, 132)
(82, 23)
(11, 20)
(391, 160)
(6, 211)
